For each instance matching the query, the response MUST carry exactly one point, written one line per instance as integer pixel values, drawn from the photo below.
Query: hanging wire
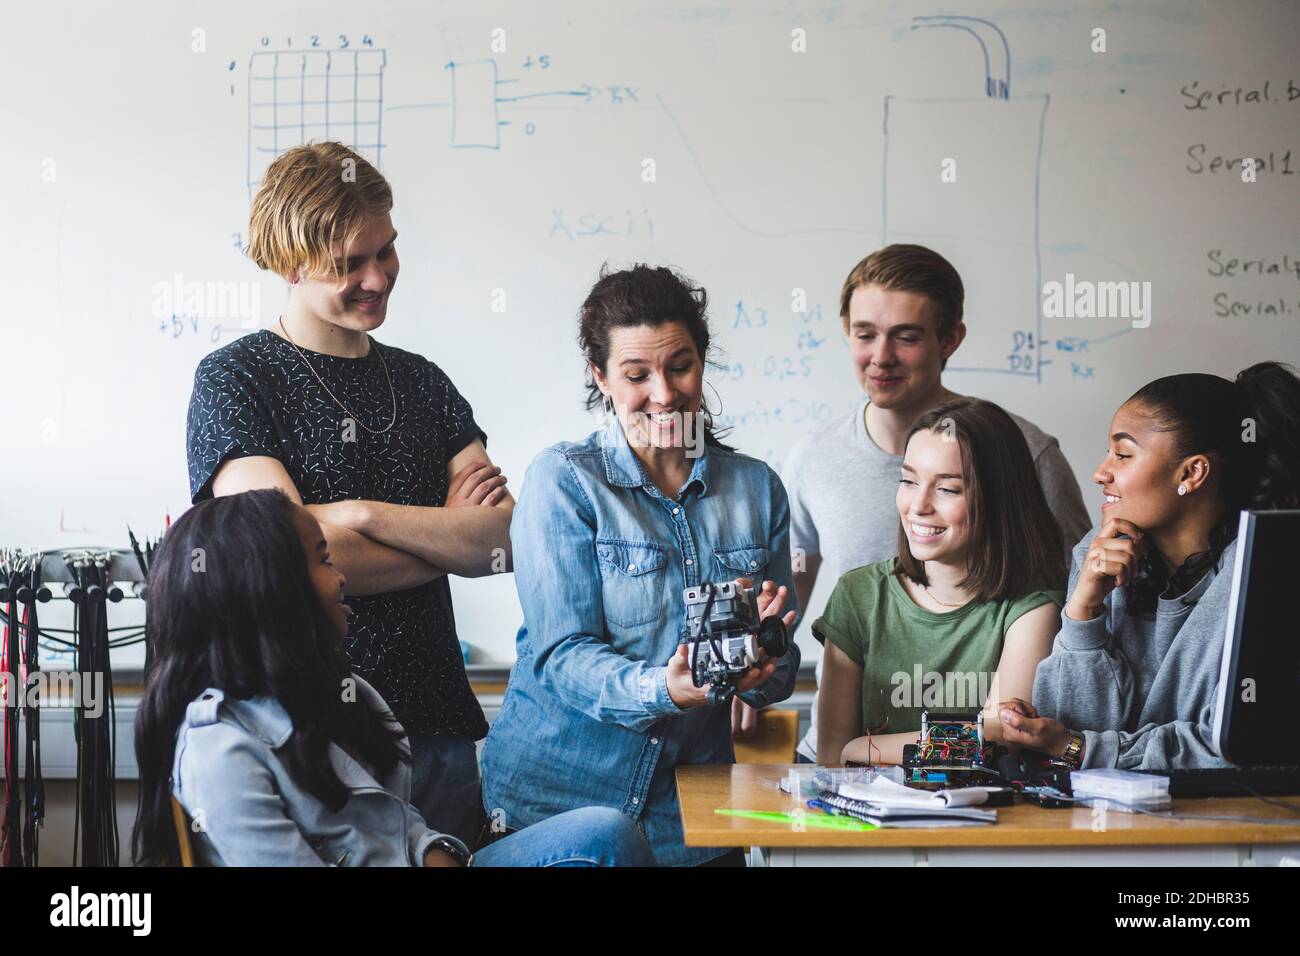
(88, 644)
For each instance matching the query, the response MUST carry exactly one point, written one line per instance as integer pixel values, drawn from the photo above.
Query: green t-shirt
(913, 659)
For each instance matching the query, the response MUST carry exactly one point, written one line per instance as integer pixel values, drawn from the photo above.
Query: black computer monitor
(1259, 679)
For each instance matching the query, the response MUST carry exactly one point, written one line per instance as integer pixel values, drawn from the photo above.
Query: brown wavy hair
(903, 267)
(644, 295)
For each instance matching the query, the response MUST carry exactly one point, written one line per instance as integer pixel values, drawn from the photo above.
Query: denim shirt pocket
(732, 563)
(632, 581)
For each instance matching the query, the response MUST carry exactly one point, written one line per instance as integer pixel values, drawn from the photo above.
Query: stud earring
(1182, 489)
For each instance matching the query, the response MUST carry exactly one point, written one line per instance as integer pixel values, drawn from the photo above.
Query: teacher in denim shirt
(601, 707)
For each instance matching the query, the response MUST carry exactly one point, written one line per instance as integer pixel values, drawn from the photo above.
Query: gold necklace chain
(391, 392)
(926, 588)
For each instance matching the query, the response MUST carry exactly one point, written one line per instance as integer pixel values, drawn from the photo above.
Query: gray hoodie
(1141, 689)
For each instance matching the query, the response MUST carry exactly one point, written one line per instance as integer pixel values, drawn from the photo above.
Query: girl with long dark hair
(254, 721)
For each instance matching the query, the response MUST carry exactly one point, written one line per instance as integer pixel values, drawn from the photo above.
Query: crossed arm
(383, 547)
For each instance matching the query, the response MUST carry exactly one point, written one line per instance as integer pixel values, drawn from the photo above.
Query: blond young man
(376, 442)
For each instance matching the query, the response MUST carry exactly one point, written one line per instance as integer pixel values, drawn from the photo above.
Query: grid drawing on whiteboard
(302, 96)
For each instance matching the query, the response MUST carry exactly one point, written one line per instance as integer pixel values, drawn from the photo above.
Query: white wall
(775, 171)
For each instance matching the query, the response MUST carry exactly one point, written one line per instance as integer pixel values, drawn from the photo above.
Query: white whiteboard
(130, 156)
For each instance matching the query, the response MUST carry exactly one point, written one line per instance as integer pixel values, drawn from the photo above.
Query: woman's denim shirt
(601, 558)
(247, 810)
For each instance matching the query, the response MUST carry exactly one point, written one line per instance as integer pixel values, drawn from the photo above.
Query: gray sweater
(1142, 689)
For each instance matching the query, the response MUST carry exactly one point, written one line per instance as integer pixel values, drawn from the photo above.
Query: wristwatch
(453, 848)
(1073, 755)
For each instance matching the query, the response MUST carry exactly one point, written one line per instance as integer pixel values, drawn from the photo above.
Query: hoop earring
(708, 412)
(609, 420)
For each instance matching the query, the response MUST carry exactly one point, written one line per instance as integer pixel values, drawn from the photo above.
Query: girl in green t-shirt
(961, 618)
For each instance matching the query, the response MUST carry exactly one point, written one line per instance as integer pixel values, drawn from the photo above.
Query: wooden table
(1025, 833)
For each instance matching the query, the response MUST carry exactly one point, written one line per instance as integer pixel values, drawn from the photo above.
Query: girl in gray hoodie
(1133, 675)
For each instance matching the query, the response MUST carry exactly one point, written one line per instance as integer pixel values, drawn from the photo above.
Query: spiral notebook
(905, 816)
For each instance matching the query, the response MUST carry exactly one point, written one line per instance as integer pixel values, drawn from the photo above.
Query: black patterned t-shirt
(257, 396)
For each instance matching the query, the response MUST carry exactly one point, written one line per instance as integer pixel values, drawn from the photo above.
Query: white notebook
(889, 794)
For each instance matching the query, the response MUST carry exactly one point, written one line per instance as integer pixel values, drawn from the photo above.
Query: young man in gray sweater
(901, 308)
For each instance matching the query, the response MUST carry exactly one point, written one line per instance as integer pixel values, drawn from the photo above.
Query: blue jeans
(445, 785)
(592, 836)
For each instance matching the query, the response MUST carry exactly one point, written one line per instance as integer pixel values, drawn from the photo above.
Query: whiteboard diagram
(296, 96)
(986, 221)
(476, 103)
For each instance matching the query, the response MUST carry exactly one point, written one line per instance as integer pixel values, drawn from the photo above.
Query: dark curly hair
(643, 295)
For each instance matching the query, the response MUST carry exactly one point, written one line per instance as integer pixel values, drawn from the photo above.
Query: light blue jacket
(247, 810)
(601, 558)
